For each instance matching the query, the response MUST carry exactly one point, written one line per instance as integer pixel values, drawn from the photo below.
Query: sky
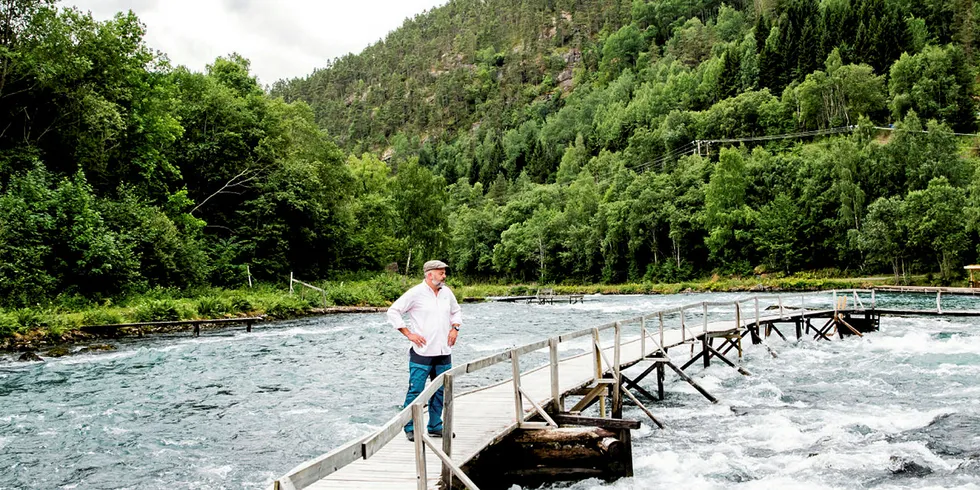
(281, 38)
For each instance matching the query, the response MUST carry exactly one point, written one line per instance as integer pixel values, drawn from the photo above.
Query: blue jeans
(417, 374)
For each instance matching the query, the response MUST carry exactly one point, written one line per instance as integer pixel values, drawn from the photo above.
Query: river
(898, 408)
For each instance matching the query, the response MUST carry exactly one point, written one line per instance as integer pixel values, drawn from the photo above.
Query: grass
(66, 314)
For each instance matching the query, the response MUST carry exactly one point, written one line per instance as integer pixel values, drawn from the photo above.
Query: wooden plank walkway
(482, 417)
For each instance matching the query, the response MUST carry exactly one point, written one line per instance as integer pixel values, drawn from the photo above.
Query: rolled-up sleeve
(399, 308)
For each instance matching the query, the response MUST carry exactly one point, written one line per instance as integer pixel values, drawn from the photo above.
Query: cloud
(282, 38)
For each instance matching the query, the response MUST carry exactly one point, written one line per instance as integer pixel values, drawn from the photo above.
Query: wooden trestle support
(600, 447)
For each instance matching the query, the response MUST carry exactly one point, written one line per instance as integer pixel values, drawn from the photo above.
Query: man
(434, 319)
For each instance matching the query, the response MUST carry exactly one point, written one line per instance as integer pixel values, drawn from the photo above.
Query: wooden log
(611, 446)
(569, 419)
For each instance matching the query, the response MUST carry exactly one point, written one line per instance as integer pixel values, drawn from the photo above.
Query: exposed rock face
(29, 357)
(951, 434)
(906, 467)
(57, 352)
(96, 348)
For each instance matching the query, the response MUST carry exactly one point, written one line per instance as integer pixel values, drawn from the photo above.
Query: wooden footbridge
(583, 369)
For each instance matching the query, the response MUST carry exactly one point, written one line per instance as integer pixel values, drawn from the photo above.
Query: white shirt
(430, 316)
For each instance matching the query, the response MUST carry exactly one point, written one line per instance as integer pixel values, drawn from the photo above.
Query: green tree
(936, 223)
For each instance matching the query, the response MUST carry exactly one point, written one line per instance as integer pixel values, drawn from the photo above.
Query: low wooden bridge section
(586, 363)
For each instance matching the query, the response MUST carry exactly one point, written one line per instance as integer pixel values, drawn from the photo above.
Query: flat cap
(434, 264)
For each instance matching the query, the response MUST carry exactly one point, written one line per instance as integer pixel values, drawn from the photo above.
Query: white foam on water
(115, 431)
(219, 471)
(924, 342)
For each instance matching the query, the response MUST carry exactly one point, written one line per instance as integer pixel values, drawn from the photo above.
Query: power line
(696, 145)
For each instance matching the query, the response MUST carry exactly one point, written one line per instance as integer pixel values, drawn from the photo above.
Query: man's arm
(401, 306)
(455, 319)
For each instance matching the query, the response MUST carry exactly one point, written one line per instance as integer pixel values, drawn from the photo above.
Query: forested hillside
(535, 140)
(566, 130)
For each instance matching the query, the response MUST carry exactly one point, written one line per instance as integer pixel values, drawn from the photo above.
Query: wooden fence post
(518, 402)
(419, 446)
(556, 398)
(447, 428)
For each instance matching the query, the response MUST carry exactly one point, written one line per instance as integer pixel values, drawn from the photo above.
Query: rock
(30, 357)
(57, 352)
(97, 348)
(971, 465)
(906, 467)
(738, 411)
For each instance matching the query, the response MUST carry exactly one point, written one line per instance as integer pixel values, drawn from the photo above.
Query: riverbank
(56, 329)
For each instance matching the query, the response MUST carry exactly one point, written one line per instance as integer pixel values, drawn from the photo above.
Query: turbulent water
(898, 408)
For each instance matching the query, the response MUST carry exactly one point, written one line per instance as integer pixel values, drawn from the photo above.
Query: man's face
(437, 276)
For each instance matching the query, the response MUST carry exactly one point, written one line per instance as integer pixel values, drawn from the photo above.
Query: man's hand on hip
(416, 339)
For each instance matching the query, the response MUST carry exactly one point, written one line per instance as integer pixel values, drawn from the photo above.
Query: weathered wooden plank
(569, 419)
(316, 469)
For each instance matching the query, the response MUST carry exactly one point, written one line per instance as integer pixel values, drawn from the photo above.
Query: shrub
(240, 304)
(28, 318)
(390, 286)
(159, 310)
(287, 307)
(342, 296)
(213, 306)
(101, 317)
(8, 324)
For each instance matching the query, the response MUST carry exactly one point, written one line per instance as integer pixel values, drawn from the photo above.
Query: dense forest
(543, 140)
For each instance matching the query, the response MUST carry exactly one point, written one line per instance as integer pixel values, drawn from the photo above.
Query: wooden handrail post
(618, 332)
(518, 402)
(643, 337)
(757, 312)
(661, 315)
(683, 329)
(704, 307)
(419, 446)
(803, 306)
(939, 306)
(617, 402)
(738, 316)
(779, 299)
(556, 398)
(873, 303)
(290, 283)
(597, 354)
(447, 428)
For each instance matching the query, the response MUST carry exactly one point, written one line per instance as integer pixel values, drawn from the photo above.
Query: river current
(899, 408)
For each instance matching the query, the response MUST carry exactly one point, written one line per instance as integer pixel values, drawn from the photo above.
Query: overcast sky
(282, 38)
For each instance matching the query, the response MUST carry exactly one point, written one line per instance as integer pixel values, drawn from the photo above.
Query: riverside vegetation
(521, 141)
(59, 322)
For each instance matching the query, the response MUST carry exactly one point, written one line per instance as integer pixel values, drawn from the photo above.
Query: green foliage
(101, 316)
(287, 307)
(213, 306)
(159, 310)
(565, 134)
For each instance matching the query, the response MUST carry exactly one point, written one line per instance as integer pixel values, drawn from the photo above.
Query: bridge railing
(693, 321)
